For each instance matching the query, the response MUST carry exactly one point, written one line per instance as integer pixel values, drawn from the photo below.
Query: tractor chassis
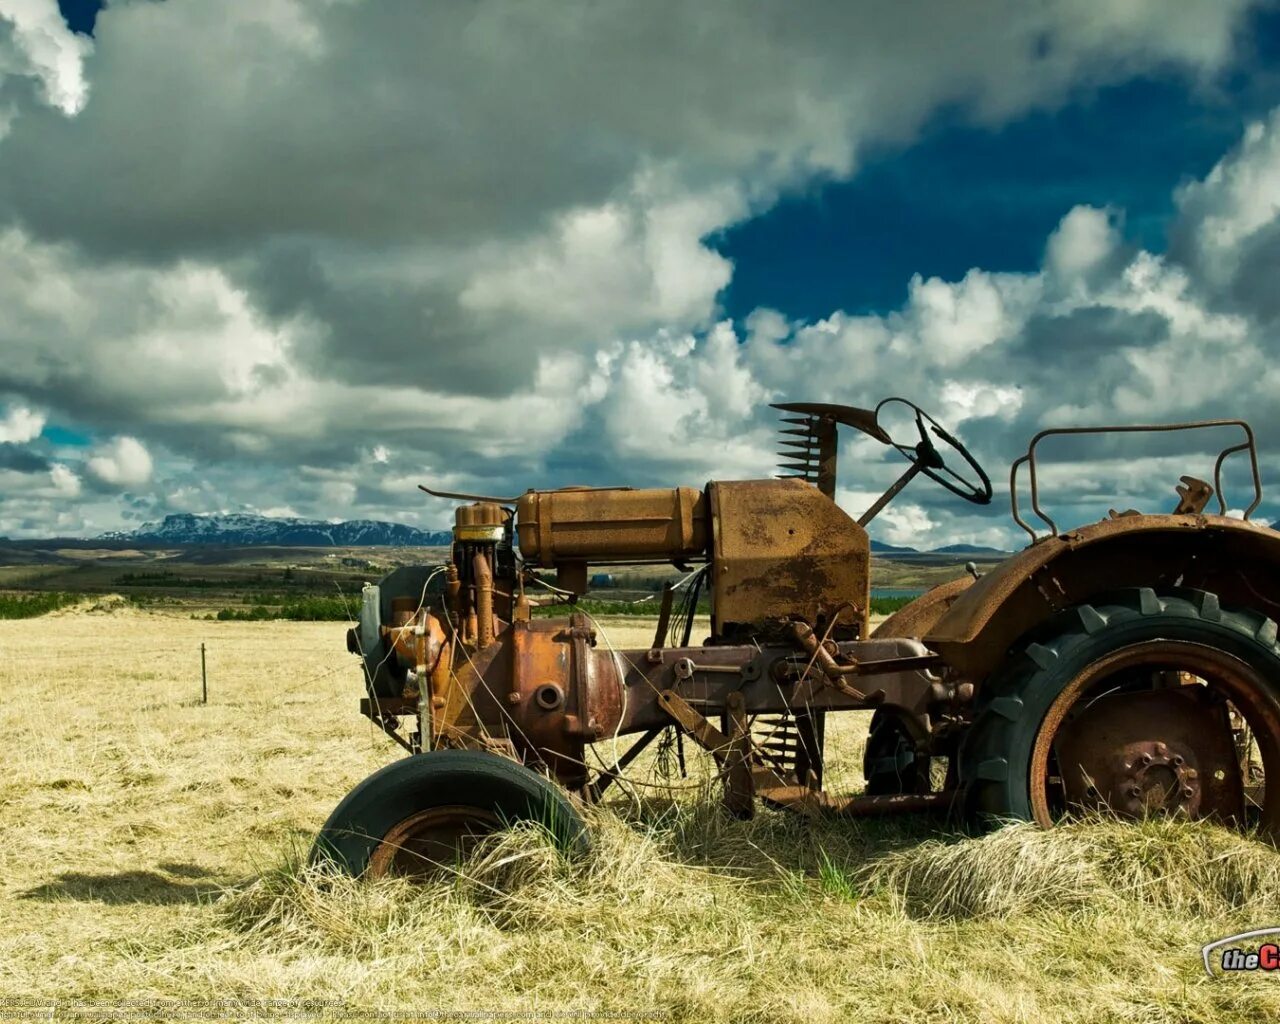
(758, 711)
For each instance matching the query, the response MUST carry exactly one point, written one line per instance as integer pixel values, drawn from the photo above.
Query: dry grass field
(150, 848)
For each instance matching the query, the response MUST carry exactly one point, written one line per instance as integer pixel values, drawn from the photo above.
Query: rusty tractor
(1129, 666)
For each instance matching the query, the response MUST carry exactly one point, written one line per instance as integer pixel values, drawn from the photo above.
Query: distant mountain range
(239, 528)
(881, 548)
(245, 529)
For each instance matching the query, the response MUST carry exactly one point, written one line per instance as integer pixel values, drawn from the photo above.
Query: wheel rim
(431, 842)
(1104, 744)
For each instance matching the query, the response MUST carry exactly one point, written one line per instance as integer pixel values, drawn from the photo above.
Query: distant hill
(883, 548)
(240, 529)
(880, 548)
(967, 549)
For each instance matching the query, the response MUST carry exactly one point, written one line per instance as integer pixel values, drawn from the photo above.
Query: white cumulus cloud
(20, 424)
(124, 462)
(35, 41)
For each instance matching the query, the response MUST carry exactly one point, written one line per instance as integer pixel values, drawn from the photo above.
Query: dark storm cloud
(309, 255)
(21, 459)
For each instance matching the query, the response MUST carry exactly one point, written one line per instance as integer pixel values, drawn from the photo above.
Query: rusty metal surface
(860, 419)
(543, 700)
(601, 525)
(551, 689)
(1193, 496)
(695, 724)
(1167, 749)
(781, 549)
(754, 677)
(810, 447)
(813, 802)
(789, 578)
(1151, 751)
(1204, 551)
(739, 795)
(483, 575)
(430, 842)
(918, 617)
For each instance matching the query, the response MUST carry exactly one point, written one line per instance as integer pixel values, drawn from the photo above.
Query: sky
(296, 258)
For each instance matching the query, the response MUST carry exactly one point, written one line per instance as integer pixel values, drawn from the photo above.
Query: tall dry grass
(154, 847)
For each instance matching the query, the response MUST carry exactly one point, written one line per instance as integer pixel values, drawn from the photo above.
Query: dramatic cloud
(36, 43)
(304, 256)
(124, 462)
(19, 424)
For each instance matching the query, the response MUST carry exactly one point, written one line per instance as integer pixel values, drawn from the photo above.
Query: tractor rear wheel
(1146, 704)
(422, 814)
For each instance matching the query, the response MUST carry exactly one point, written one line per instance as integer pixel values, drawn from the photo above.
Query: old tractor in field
(1129, 666)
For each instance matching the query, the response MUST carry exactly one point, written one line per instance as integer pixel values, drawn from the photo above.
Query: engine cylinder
(612, 524)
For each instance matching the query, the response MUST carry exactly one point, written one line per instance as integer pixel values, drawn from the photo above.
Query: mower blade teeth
(796, 432)
(799, 421)
(803, 445)
(794, 465)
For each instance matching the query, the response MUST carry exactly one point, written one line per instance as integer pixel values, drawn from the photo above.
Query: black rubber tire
(439, 778)
(891, 763)
(995, 754)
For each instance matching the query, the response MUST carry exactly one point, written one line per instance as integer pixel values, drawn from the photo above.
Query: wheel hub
(1153, 778)
(1156, 751)
(432, 841)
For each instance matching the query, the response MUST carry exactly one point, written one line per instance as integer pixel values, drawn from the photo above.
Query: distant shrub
(307, 609)
(888, 605)
(257, 613)
(340, 609)
(321, 609)
(29, 606)
(595, 607)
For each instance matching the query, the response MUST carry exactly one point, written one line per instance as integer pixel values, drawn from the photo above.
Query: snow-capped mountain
(241, 528)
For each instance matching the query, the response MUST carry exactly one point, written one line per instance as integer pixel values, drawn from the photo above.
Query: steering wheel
(929, 461)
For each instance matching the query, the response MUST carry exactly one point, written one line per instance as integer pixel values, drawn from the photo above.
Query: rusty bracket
(703, 732)
(739, 792)
(1193, 496)
(664, 617)
(608, 775)
(822, 655)
(734, 754)
(813, 803)
(684, 668)
(385, 714)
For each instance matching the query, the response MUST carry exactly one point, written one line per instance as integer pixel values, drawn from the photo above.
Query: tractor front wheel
(1146, 704)
(422, 814)
(893, 761)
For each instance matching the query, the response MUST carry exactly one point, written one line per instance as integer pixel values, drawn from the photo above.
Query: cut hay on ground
(152, 847)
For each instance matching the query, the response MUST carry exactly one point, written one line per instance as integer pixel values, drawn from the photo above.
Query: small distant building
(603, 579)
